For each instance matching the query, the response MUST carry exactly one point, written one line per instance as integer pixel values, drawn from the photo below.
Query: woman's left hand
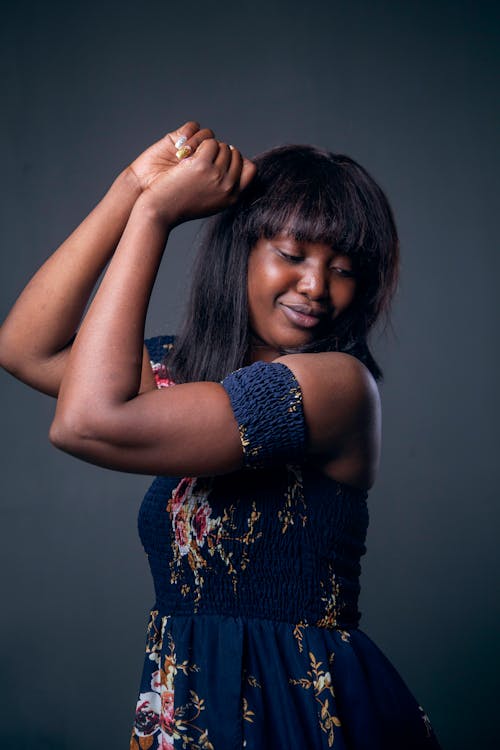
(200, 185)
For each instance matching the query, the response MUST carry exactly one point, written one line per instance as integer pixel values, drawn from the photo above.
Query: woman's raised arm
(37, 335)
(202, 428)
(97, 390)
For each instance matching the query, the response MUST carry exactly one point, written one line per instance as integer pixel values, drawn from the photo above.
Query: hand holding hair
(201, 183)
(165, 153)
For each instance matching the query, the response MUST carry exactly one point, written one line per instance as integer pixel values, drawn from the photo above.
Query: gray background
(407, 90)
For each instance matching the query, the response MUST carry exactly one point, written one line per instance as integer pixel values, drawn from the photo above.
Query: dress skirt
(226, 683)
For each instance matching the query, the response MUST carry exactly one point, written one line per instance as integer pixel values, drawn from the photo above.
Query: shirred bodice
(277, 539)
(284, 545)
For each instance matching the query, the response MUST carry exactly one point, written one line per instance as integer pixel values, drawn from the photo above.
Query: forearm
(97, 400)
(104, 367)
(49, 310)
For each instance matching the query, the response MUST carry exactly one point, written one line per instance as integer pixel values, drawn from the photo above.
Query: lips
(306, 309)
(303, 315)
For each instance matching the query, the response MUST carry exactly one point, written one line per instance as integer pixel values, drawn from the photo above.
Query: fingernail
(231, 147)
(180, 141)
(183, 152)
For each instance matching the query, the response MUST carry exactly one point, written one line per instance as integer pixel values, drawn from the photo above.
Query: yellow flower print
(294, 498)
(320, 681)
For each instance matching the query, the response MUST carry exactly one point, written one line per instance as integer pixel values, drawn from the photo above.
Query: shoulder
(340, 397)
(338, 372)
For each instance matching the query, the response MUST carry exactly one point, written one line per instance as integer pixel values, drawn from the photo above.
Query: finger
(248, 172)
(223, 158)
(180, 136)
(234, 171)
(186, 148)
(198, 138)
(207, 150)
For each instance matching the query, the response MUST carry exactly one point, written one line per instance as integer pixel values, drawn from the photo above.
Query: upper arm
(186, 430)
(46, 375)
(263, 413)
(340, 398)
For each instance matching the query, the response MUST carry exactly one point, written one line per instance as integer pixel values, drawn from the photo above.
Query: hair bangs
(319, 207)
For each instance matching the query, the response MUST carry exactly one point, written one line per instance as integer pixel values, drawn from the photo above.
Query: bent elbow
(57, 434)
(68, 433)
(13, 350)
(10, 360)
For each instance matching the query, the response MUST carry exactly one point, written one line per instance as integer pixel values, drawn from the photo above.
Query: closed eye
(343, 271)
(299, 258)
(290, 258)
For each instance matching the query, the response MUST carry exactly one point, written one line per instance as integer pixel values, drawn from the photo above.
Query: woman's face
(295, 291)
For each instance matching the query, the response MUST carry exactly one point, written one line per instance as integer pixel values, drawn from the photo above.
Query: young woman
(262, 421)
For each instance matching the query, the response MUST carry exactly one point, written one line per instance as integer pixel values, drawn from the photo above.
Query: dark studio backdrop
(408, 90)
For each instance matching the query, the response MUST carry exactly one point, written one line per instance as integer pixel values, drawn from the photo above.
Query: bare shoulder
(334, 375)
(341, 400)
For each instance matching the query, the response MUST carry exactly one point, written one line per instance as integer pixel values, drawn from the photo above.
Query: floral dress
(253, 640)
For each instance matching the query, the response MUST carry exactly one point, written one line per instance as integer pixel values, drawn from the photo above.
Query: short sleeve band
(267, 403)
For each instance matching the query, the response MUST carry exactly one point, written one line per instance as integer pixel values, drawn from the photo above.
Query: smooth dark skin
(109, 411)
(35, 338)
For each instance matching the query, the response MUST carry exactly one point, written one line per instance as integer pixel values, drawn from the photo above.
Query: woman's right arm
(36, 336)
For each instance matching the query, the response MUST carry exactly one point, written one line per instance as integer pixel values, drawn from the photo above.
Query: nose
(313, 282)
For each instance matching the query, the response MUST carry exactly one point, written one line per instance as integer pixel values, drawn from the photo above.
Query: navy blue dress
(253, 640)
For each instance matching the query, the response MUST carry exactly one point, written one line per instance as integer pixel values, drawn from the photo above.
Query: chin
(296, 342)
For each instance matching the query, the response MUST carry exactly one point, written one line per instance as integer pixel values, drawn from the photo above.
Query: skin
(36, 337)
(108, 410)
(286, 277)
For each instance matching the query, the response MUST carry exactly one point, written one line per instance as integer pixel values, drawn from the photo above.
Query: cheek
(266, 281)
(343, 294)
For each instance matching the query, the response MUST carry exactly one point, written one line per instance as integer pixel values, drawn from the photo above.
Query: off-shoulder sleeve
(267, 403)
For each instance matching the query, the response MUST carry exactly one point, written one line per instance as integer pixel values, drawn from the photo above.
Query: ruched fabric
(253, 640)
(267, 403)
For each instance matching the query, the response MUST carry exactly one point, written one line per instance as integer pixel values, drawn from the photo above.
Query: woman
(265, 447)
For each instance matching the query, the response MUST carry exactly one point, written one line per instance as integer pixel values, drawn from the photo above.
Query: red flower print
(167, 720)
(200, 522)
(182, 529)
(164, 742)
(161, 375)
(146, 714)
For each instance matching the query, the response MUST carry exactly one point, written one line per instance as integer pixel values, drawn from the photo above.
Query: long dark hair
(315, 196)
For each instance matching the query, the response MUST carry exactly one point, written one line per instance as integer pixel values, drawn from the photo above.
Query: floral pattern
(194, 529)
(199, 535)
(157, 722)
(247, 714)
(295, 505)
(160, 375)
(320, 681)
(160, 372)
(214, 675)
(298, 634)
(330, 598)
